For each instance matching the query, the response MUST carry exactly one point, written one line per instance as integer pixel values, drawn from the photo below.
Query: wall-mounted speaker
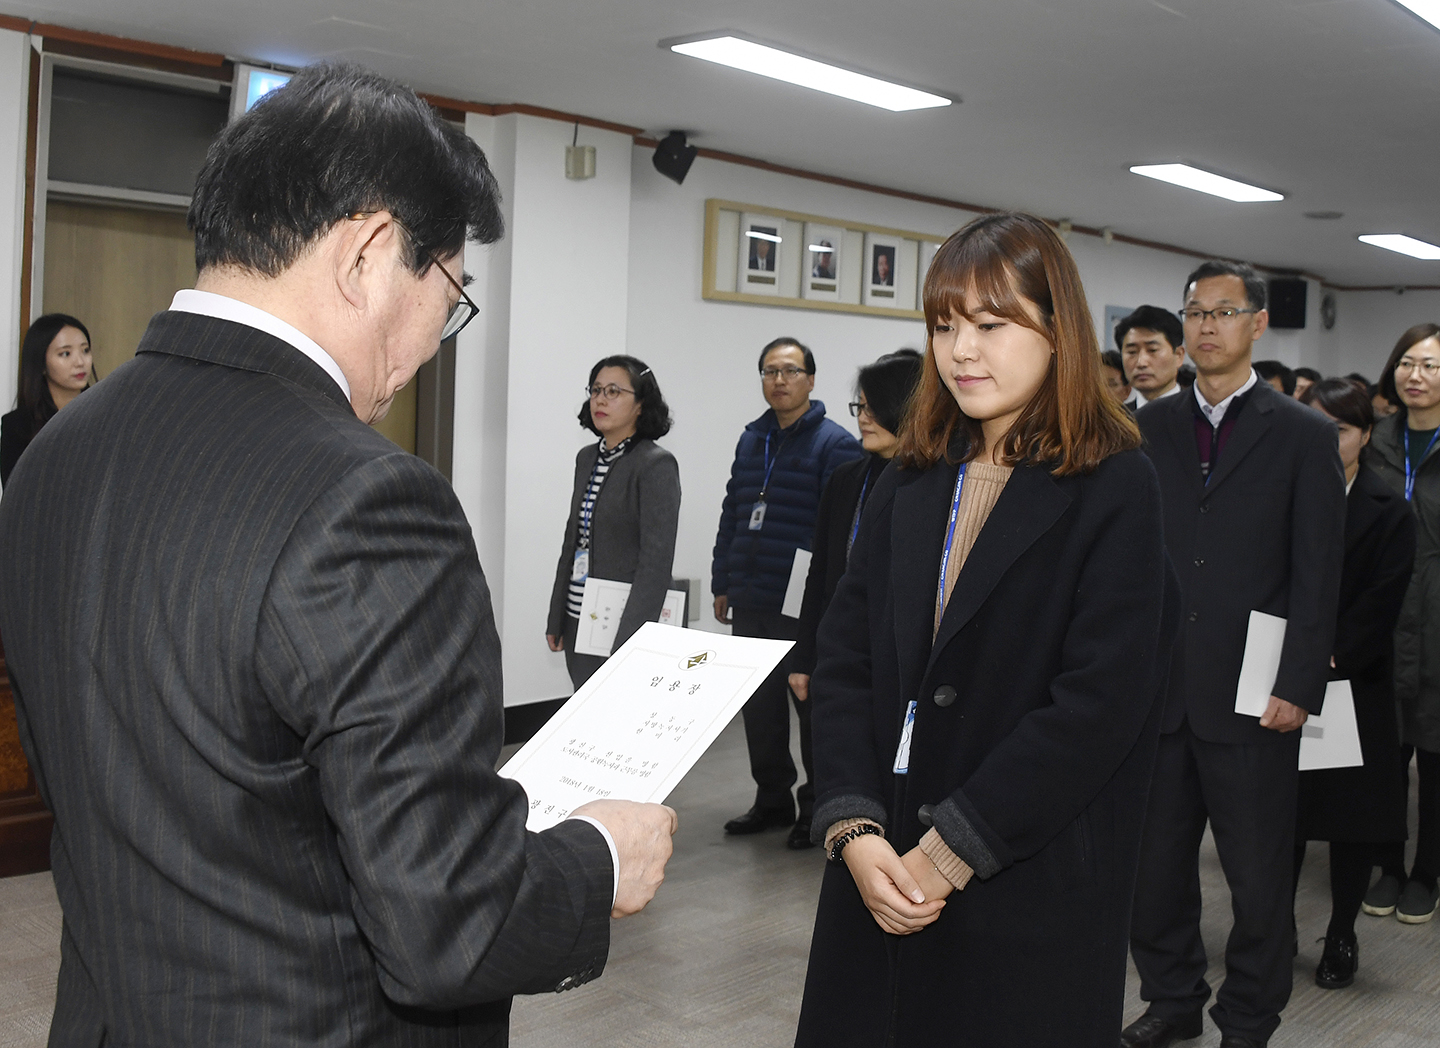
(1287, 302)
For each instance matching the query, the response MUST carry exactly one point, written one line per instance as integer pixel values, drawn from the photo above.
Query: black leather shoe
(1151, 1031)
(1234, 1040)
(757, 819)
(799, 838)
(1338, 963)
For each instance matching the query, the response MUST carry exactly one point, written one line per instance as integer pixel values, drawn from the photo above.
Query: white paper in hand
(795, 589)
(1263, 643)
(641, 722)
(601, 606)
(1331, 738)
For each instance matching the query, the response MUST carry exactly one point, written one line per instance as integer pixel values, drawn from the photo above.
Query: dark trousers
(1391, 857)
(767, 722)
(1247, 792)
(581, 667)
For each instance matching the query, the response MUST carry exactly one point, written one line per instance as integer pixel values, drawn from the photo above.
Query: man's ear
(1262, 323)
(363, 251)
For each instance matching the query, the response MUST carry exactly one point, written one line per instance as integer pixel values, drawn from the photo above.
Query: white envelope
(795, 589)
(601, 606)
(1264, 641)
(1331, 738)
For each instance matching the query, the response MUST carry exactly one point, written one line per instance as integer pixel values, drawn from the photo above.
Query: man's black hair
(1268, 369)
(1151, 318)
(786, 341)
(654, 421)
(1341, 399)
(888, 384)
(1310, 373)
(1219, 267)
(1186, 375)
(1112, 359)
(336, 141)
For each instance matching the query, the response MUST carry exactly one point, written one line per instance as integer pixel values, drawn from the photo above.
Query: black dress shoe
(1234, 1040)
(799, 838)
(1151, 1031)
(757, 819)
(1338, 963)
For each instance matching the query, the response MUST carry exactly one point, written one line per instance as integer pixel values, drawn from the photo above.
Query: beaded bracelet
(854, 833)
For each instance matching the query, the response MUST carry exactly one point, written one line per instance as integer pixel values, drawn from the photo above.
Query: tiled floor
(719, 958)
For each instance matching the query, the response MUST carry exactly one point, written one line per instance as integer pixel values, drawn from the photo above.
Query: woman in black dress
(987, 692)
(55, 368)
(1356, 809)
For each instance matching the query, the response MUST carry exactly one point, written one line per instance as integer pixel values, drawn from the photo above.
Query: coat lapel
(1180, 424)
(1028, 507)
(1251, 424)
(917, 534)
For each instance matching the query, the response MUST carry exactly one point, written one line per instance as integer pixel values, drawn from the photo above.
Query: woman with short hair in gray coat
(624, 510)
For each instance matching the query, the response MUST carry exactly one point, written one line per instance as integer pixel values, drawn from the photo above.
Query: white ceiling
(1334, 102)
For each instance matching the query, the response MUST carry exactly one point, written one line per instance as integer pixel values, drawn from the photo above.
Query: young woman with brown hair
(986, 694)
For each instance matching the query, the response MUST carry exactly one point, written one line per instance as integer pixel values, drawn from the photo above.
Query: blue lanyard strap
(1410, 470)
(859, 509)
(950, 532)
(769, 463)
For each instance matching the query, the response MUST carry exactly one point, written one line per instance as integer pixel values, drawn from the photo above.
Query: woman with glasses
(882, 393)
(55, 368)
(1405, 452)
(624, 510)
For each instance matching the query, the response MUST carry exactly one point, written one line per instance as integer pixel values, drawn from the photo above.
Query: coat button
(926, 815)
(1194, 615)
(1199, 562)
(944, 695)
(1204, 509)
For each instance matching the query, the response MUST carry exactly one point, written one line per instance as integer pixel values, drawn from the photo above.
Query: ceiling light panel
(770, 61)
(1426, 9)
(1403, 244)
(1206, 182)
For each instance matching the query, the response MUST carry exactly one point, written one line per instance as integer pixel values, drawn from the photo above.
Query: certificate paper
(1263, 643)
(634, 729)
(795, 589)
(1331, 738)
(601, 606)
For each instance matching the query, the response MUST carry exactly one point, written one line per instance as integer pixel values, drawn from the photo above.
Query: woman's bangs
(975, 271)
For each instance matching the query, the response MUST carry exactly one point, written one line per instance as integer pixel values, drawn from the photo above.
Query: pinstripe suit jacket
(258, 678)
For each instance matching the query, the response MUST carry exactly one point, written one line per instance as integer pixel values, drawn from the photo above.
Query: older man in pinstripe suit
(252, 647)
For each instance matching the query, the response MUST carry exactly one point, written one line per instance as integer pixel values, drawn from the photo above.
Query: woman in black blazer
(624, 508)
(984, 746)
(1356, 809)
(55, 368)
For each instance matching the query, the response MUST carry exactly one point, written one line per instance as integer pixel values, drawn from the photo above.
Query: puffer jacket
(752, 568)
(1417, 636)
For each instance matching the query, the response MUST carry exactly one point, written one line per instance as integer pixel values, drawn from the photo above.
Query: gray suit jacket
(258, 679)
(632, 535)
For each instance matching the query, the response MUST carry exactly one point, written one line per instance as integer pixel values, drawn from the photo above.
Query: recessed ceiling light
(1206, 182)
(1426, 9)
(1403, 244)
(753, 57)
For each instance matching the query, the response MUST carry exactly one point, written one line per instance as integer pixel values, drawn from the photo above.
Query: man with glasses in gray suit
(253, 654)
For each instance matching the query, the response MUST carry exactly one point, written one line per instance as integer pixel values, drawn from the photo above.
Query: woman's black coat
(1366, 803)
(1034, 741)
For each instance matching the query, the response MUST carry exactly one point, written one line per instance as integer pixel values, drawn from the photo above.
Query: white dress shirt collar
(209, 304)
(1139, 400)
(1215, 414)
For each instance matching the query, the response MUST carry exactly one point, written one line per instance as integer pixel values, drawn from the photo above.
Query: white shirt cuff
(614, 854)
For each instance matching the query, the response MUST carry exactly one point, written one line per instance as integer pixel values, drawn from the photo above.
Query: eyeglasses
(1226, 313)
(1429, 367)
(858, 408)
(610, 392)
(791, 373)
(464, 310)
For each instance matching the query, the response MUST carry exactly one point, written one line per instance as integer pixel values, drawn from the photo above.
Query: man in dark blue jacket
(781, 465)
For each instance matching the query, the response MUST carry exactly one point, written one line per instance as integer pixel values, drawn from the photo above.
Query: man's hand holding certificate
(639, 724)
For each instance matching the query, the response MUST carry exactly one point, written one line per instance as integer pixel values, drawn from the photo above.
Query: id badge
(902, 752)
(757, 516)
(581, 567)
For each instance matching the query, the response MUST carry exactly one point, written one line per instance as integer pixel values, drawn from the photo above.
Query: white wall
(1368, 324)
(14, 96)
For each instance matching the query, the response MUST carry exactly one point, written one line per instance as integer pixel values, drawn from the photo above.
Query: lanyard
(950, 532)
(770, 463)
(1410, 471)
(855, 524)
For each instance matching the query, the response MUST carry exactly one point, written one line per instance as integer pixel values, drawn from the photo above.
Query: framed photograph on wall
(879, 282)
(820, 278)
(761, 241)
